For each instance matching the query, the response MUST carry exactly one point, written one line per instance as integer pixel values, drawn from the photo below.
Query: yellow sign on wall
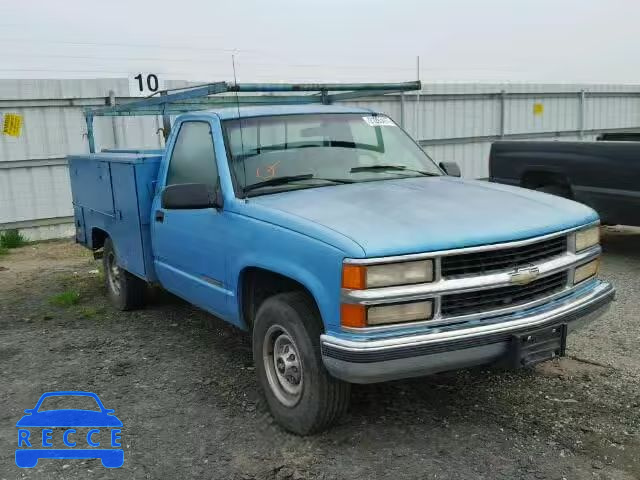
(538, 109)
(12, 124)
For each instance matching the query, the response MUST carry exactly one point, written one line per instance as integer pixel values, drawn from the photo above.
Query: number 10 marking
(152, 82)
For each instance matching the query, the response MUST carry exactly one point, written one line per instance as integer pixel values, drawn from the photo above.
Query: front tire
(302, 396)
(125, 291)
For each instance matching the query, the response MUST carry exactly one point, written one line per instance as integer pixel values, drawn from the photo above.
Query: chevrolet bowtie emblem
(523, 276)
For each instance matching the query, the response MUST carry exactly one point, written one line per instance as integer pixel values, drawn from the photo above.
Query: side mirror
(190, 196)
(29, 410)
(450, 168)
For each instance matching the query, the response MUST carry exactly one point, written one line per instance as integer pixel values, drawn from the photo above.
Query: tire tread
(337, 393)
(334, 394)
(134, 288)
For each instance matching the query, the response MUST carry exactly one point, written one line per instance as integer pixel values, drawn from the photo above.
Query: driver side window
(193, 159)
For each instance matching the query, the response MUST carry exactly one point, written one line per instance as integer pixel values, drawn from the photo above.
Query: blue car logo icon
(85, 433)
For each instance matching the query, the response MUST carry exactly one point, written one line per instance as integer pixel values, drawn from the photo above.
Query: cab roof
(230, 113)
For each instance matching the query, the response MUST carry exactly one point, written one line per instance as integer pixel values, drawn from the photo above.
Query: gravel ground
(183, 384)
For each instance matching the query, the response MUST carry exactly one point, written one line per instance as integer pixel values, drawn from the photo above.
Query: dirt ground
(183, 384)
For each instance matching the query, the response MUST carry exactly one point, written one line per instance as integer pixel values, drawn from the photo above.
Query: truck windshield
(284, 152)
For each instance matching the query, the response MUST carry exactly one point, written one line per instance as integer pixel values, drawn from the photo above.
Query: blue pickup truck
(350, 256)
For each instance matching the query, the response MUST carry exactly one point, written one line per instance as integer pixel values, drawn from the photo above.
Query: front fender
(308, 261)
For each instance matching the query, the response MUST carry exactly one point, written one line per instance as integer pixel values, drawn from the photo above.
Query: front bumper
(371, 361)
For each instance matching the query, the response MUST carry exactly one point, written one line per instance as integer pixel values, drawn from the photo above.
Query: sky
(543, 41)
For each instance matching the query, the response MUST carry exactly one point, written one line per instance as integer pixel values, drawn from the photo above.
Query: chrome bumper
(371, 361)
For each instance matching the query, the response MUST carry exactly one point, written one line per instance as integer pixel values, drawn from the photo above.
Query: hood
(396, 217)
(69, 418)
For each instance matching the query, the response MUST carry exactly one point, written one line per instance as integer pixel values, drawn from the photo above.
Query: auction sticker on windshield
(379, 121)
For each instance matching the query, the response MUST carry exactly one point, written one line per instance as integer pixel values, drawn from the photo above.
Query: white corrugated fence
(453, 122)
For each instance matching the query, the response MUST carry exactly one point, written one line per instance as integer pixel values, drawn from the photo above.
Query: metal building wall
(34, 184)
(458, 122)
(453, 122)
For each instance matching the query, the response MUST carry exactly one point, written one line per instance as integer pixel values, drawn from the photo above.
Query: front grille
(480, 301)
(480, 263)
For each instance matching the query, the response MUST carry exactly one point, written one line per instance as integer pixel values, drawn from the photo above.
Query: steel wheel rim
(114, 274)
(283, 366)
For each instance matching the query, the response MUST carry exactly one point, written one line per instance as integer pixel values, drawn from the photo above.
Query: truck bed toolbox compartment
(113, 192)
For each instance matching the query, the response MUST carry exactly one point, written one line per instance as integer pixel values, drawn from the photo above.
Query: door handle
(159, 216)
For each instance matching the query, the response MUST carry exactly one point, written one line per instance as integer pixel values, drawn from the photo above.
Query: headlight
(587, 238)
(357, 277)
(359, 316)
(403, 312)
(586, 271)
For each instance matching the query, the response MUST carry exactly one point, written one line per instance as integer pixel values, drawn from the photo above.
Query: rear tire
(302, 396)
(125, 291)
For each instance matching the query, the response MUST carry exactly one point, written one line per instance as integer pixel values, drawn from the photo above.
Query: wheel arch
(256, 284)
(98, 237)
(536, 178)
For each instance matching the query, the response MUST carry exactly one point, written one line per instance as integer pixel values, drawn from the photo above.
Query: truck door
(189, 245)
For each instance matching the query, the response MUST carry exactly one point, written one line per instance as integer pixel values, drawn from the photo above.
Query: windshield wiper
(291, 179)
(382, 168)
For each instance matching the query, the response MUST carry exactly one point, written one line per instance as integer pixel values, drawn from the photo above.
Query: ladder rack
(225, 94)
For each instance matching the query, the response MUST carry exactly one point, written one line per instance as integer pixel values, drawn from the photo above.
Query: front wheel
(301, 394)
(126, 291)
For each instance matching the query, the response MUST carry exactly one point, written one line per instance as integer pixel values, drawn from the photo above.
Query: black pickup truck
(604, 175)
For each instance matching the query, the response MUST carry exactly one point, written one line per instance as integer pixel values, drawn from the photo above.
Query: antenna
(417, 122)
(235, 81)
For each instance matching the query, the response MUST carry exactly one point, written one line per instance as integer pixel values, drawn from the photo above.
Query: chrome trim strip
(420, 291)
(461, 251)
(596, 294)
(437, 269)
(212, 281)
(438, 320)
(571, 242)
